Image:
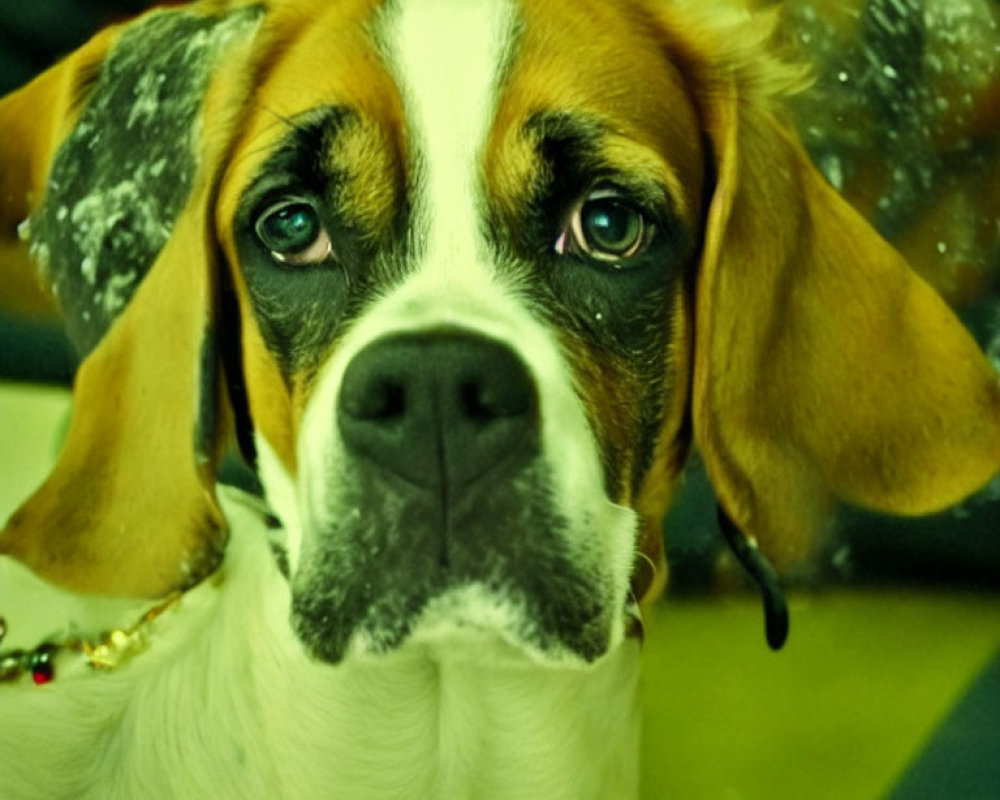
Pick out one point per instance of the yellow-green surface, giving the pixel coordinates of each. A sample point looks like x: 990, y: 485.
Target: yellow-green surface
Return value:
x: 864, y: 679
x: 838, y: 714
x: 31, y: 420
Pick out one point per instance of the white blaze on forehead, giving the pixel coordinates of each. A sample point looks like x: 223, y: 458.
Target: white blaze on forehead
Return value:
x: 447, y: 56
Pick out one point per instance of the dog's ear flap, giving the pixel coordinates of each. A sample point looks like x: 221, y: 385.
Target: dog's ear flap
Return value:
x: 824, y: 366
x: 129, y: 508
x: 121, y: 215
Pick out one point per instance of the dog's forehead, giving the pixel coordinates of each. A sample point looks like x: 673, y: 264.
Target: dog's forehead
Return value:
x: 604, y: 63
x: 320, y: 55
x: 458, y: 77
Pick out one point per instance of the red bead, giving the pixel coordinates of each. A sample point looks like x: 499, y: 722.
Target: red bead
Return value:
x: 42, y: 676
x: 42, y: 669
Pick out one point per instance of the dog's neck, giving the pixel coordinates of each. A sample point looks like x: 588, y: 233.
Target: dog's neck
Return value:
x: 225, y: 703
x: 452, y: 727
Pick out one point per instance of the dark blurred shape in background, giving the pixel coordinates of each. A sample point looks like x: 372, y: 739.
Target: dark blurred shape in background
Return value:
x: 34, y: 35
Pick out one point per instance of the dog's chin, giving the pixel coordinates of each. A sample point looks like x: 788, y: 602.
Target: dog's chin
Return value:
x: 460, y: 623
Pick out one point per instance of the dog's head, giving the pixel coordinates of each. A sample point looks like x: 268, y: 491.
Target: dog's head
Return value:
x: 466, y: 279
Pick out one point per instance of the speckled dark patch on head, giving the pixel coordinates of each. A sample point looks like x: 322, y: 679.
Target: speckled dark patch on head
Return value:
x: 121, y: 178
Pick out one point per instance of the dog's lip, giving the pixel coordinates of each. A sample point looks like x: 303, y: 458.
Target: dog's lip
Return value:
x: 441, y: 622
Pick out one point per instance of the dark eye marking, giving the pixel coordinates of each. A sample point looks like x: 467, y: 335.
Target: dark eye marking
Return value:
x: 304, y: 258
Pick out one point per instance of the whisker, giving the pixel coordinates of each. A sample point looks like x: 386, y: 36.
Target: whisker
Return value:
x: 647, y: 559
x: 249, y: 153
x: 279, y: 118
x: 289, y: 121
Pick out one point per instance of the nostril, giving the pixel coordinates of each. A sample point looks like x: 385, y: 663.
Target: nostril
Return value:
x: 475, y: 404
x: 374, y: 399
x: 491, y: 397
x: 390, y: 402
x: 471, y: 403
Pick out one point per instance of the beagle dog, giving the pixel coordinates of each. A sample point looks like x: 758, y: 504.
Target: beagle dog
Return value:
x: 464, y: 280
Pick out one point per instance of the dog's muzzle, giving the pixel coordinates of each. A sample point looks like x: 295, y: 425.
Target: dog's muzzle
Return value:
x: 437, y: 511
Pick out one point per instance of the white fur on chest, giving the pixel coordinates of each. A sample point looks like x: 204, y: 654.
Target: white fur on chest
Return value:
x: 226, y: 705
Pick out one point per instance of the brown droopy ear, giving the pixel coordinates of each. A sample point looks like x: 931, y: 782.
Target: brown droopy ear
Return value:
x: 119, y: 181
x: 824, y: 366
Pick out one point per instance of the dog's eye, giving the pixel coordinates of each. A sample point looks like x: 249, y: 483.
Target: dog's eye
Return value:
x: 607, y: 227
x: 292, y: 231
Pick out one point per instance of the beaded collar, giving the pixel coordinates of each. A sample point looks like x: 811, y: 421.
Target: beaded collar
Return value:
x: 104, y: 652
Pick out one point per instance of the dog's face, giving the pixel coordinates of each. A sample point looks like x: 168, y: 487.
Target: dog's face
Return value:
x: 474, y: 275
x: 462, y: 267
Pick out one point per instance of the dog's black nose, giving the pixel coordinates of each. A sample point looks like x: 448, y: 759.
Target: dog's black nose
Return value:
x: 438, y: 409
